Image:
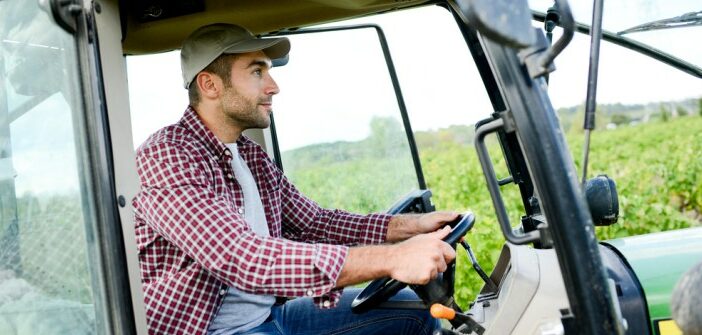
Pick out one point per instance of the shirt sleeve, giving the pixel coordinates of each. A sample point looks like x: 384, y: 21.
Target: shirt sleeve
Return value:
x: 179, y: 202
x: 304, y: 220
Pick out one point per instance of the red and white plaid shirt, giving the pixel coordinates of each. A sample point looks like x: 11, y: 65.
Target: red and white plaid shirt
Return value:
x: 193, y: 241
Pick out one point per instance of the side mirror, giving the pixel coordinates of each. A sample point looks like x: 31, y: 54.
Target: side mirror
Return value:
x: 506, y: 22
x: 602, y: 198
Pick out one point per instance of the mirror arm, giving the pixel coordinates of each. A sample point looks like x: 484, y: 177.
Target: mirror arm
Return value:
x: 568, y: 24
x: 538, y: 58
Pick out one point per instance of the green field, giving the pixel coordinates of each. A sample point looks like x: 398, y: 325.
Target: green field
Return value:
x: 657, y: 167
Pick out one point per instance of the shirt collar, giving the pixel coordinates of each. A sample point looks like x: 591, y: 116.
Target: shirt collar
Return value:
x: 192, y: 121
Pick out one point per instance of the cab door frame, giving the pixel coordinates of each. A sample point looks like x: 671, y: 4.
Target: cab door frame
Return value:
x: 109, y: 141
x: 395, y: 83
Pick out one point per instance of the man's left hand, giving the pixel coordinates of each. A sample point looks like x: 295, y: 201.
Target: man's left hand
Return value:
x: 404, y: 226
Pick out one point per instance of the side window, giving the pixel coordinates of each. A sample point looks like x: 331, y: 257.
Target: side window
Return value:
x: 336, y: 88
x: 47, y: 257
x: 338, y: 123
x: 647, y: 136
x: 337, y: 119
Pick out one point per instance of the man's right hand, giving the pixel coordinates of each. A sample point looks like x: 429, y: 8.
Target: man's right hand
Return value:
x: 414, y: 261
x: 421, y: 258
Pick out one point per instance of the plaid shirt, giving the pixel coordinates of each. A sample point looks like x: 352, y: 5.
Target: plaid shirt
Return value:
x: 193, y: 241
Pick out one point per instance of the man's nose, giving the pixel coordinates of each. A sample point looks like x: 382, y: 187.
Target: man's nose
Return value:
x: 271, y: 86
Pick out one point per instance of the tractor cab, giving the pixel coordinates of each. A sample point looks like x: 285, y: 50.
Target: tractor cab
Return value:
x: 385, y: 106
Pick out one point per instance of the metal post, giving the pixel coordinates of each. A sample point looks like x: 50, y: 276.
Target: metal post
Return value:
x: 591, y: 100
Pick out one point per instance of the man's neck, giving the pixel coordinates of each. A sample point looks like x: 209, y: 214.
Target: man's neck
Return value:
x: 218, y: 124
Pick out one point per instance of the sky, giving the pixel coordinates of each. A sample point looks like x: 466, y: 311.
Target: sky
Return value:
x: 342, y: 76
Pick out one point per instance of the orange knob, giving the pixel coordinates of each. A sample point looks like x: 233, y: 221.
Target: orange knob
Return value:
x: 440, y: 311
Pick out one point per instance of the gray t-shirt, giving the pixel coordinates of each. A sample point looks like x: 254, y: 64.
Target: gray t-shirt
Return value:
x: 241, y: 311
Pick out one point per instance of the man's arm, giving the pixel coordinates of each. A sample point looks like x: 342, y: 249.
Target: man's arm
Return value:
x: 414, y: 261
x: 404, y: 226
x: 179, y: 203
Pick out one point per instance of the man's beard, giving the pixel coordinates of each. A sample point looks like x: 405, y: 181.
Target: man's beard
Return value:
x: 243, y: 111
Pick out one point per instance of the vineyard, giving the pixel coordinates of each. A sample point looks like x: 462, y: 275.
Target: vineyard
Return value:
x: 657, y: 167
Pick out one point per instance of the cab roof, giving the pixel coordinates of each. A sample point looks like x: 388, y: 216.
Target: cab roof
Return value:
x: 154, y: 26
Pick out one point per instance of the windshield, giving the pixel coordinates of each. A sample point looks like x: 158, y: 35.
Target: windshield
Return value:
x: 620, y: 16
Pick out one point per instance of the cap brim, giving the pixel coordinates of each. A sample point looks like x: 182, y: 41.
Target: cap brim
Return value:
x: 273, y: 47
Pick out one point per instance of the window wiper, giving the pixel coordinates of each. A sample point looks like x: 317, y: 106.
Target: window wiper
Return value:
x: 685, y: 20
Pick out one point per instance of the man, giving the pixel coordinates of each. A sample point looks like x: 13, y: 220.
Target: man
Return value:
x: 221, y: 232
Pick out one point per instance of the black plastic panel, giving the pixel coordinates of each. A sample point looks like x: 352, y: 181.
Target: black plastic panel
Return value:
x: 154, y: 10
x: 629, y: 291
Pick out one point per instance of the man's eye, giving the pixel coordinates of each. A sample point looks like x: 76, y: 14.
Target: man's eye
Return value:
x: 258, y: 72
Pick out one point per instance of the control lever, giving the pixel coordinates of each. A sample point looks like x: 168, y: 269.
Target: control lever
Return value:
x: 490, y: 284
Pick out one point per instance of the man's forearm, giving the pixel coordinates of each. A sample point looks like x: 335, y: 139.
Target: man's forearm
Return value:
x: 414, y: 261
x: 402, y: 227
x: 363, y: 264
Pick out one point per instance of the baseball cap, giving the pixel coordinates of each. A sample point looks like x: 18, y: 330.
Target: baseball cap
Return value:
x: 207, y: 43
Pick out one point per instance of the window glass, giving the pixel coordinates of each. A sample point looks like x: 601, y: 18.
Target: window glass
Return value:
x: 442, y: 89
x: 444, y: 95
x: 342, y: 144
x: 647, y: 135
x: 46, y: 285
x: 333, y: 88
x: 646, y: 21
x: 624, y: 76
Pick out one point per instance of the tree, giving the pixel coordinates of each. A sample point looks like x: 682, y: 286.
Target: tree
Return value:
x: 387, y: 137
x: 700, y: 105
x: 665, y: 114
x: 681, y: 111
x: 620, y: 119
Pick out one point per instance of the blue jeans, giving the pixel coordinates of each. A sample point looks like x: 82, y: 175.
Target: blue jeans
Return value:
x: 301, y: 316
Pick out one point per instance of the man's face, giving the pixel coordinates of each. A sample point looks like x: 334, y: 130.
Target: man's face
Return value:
x: 247, y: 99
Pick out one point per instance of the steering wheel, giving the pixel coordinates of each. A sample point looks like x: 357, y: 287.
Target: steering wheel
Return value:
x: 382, y: 289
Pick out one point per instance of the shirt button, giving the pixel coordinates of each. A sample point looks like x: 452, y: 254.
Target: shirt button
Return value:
x: 227, y: 152
x: 326, y: 303
x: 229, y: 175
x: 240, y: 210
x: 310, y: 293
x: 223, y: 291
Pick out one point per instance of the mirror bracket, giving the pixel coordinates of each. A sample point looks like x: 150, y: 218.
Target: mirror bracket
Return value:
x: 532, y: 56
x: 507, y: 22
x: 65, y: 13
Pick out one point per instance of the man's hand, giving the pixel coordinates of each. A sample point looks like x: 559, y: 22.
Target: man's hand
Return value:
x: 421, y: 258
x: 414, y: 261
x: 404, y: 226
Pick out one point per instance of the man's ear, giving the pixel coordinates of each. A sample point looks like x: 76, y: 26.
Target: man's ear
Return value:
x: 209, y: 84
